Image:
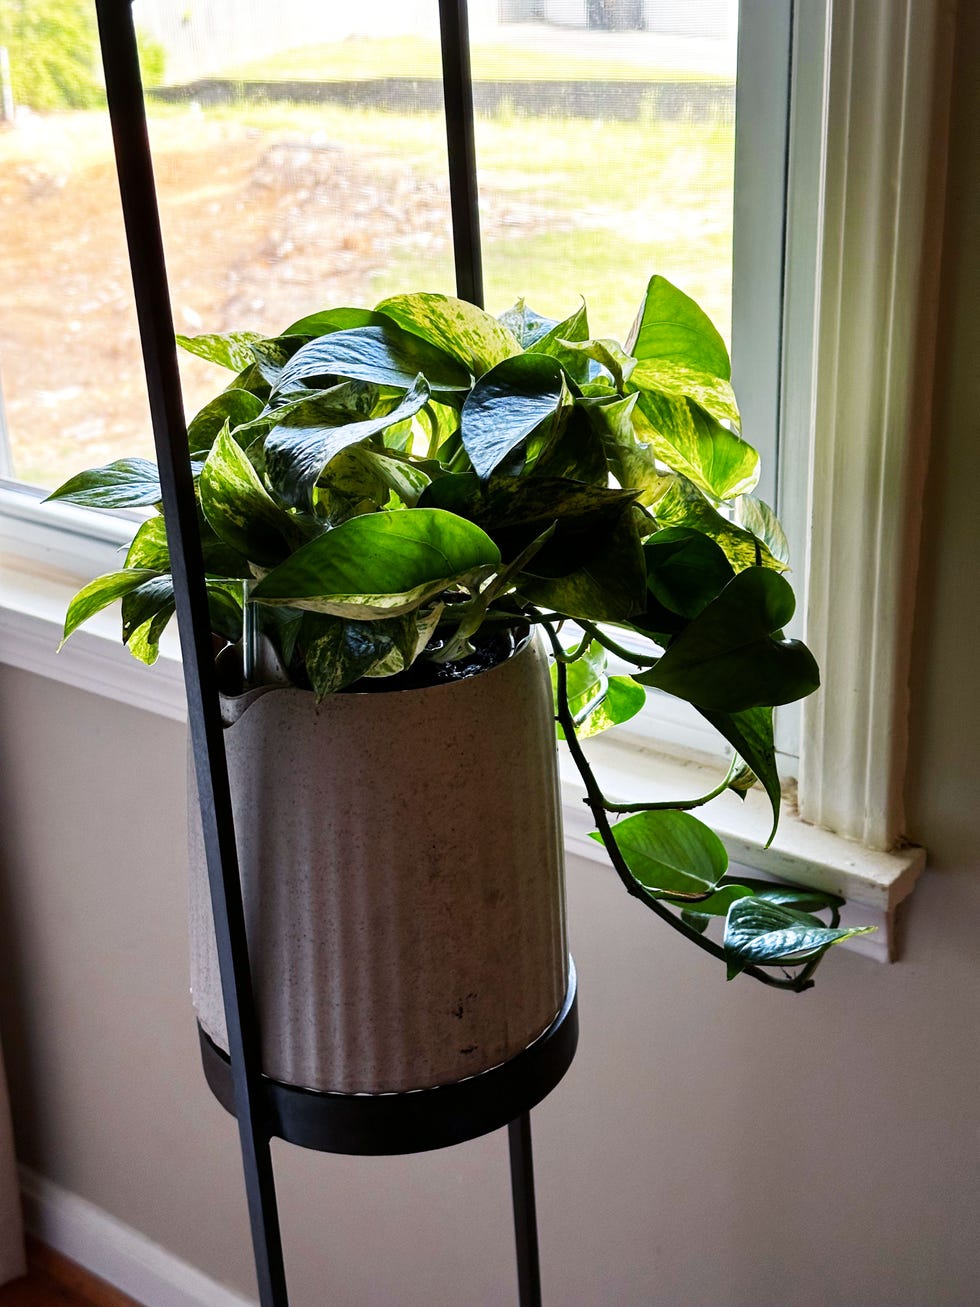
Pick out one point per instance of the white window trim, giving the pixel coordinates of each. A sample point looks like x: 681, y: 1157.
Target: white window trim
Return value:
x: 861, y: 277
x: 876, y: 308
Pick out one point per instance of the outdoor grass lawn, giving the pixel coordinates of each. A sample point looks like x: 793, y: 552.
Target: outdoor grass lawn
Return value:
x: 259, y: 233
x: 601, y: 205
x: 412, y: 56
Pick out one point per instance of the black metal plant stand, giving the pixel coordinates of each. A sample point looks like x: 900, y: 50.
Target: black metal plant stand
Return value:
x: 264, y: 1108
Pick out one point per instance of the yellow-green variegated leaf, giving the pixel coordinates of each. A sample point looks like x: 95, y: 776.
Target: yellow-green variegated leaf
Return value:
x: 684, y: 437
x: 380, y: 564
x: 555, y: 342
x: 608, y: 354
x: 238, y: 507
x: 101, y: 592
x: 235, y: 406
x: 386, y: 355
x: 713, y: 394
x: 597, y: 701
x: 756, y: 516
x: 759, y: 932
x: 229, y: 350
x: 466, y: 332
x: 339, y: 650
x: 684, y: 505
x: 672, y: 327
x: 633, y: 463
x: 305, y: 440
x: 126, y: 483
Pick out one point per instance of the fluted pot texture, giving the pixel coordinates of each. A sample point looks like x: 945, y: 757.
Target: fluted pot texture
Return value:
x: 401, y: 863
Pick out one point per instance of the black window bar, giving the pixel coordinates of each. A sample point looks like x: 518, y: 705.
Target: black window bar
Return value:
x: 527, y: 1079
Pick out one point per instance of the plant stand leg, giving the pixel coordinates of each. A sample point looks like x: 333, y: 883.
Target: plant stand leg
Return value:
x: 525, y: 1215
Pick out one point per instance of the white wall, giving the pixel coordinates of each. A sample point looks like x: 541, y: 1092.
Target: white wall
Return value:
x: 714, y: 1145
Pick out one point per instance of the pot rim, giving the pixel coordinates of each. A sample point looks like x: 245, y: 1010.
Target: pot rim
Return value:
x: 228, y: 661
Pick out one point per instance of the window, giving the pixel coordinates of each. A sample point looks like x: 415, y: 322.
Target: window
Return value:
x: 844, y: 336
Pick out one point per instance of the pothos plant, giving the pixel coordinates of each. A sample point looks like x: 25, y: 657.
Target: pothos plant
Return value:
x: 384, y: 490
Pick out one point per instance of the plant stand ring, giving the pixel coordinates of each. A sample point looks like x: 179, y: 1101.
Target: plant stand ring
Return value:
x: 420, y: 1119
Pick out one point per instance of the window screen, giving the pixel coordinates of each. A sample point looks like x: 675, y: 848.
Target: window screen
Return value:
x: 302, y: 163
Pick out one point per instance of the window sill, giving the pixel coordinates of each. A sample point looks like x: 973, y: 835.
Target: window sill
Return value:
x: 32, y: 604
x: 874, y: 883
x: 33, y: 599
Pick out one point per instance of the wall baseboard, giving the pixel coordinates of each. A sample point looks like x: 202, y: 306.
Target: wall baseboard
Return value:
x: 115, y: 1252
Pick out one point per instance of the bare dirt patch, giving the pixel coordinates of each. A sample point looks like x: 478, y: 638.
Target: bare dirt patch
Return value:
x: 259, y: 229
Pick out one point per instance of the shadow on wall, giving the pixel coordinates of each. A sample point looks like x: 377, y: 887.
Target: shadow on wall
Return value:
x: 22, y: 1071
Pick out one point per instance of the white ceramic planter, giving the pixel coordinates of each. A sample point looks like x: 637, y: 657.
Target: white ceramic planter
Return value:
x: 401, y: 862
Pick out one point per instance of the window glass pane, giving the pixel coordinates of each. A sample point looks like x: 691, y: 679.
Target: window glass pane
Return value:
x: 287, y: 182
x: 606, y: 154
x: 302, y: 163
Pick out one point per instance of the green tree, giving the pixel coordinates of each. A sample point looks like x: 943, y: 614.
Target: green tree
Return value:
x: 53, y: 49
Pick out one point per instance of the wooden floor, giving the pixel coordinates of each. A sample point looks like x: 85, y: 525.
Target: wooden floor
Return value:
x: 53, y: 1281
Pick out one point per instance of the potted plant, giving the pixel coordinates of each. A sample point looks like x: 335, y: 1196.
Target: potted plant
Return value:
x: 405, y: 513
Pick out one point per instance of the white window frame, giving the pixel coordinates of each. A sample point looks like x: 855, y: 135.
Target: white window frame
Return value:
x: 862, y: 244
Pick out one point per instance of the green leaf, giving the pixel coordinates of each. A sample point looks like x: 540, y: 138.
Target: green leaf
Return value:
x: 685, y: 569
x: 609, y: 587
x: 312, y: 433
x: 718, y: 903
x: 234, y: 406
x: 554, y: 342
x: 380, y: 564
x: 273, y: 354
x: 762, y: 933
x: 225, y: 609
x: 633, y: 463
x: 127, y: 483
x: 385, y: 354
x: 239, y: 509
x: 756, y: 516
x: 672, y: 327
x: 147, y: 601
x: 356, y: 399
x: 469, y: 334
x: 671, y: 854
x: 252, y: 380
x: 401, y: 477
x: 801, y: 897
x: 683, y: 505
x: 101, y: 592
x: 230, y: 350
x: 751, y: 736
x: 149, y: 548
x: 144, y: 643
x: 683, y: 436
x: 711, y: 393
x: 323, y: 323
x: 598, y: 701
x: 733, y: 655
x: 506, y: 405
x: 577, y: 452
x: 515, y: 510
x: 608, y: 354
x: 525, y: 325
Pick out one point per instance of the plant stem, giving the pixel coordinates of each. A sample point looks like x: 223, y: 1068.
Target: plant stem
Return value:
x: 250, y: 636
x: 668, y: 805
x: 640, y: 660
x: 573, y: 655
x: 598, y: 806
